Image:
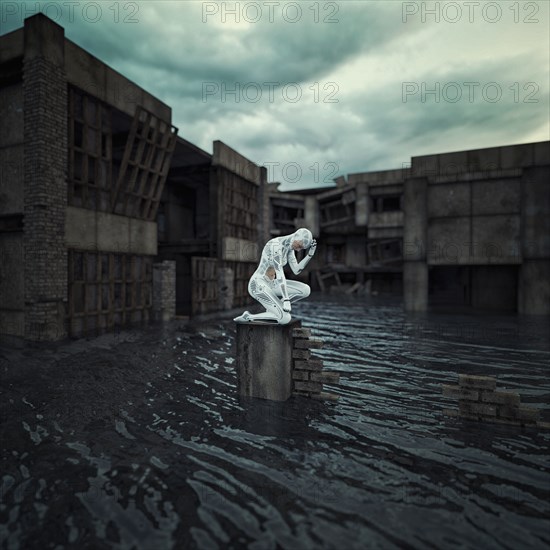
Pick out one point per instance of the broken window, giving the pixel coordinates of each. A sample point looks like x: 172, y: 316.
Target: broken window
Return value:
x: 286, y: 218
x: 336, y: 253
x: 386, y: 203
x: 90, y: 152
x: 385, y: 252
x: 339, y: 210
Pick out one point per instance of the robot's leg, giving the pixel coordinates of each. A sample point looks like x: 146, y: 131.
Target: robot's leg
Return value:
x: 297, y: 290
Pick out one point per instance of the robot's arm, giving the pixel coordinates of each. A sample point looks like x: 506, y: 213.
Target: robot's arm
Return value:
x: 296, y: 267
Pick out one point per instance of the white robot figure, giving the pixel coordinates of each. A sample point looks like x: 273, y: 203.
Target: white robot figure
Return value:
x: 268, y: 284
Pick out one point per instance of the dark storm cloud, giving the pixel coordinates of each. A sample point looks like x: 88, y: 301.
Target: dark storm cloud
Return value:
x: 262, y: 52
x: 363, y: 60
x: 389, y: 120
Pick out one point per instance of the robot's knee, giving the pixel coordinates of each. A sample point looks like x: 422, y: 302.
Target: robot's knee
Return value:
x: 307, y: 291
x: 285, y: 319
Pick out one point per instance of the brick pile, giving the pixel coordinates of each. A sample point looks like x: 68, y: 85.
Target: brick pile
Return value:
x: 307, y: 371
x: 478, y: 399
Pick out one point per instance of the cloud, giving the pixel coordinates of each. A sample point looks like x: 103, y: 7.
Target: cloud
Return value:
x: 350, y: 73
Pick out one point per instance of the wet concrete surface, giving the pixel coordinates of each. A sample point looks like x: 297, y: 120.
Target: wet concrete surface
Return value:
x: 139, y: 439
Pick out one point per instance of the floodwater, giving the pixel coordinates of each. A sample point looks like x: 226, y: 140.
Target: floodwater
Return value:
x: 139, y: 440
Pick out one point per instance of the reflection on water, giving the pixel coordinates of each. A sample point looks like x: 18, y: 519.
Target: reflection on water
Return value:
x: 139, y: 440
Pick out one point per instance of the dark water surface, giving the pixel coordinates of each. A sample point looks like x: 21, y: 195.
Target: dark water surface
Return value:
x: 139, y: 440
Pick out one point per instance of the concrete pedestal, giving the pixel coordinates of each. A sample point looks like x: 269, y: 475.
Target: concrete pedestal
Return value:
x: 264, y: 360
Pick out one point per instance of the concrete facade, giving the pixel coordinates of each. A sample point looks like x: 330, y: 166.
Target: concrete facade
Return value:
x: 212, y: 223
x: 464, y: 229
x: 479, y: 223
x: 96, y: 186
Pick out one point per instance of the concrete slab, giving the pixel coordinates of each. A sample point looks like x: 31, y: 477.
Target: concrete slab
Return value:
x: 264, y: 360
x: 496, y: 239
x: 500, y: 196
x: 449, y: 241
x: 449, y: 200
x: 517, y: 155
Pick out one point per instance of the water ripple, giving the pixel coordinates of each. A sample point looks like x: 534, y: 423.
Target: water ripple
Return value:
x: 143, y: 442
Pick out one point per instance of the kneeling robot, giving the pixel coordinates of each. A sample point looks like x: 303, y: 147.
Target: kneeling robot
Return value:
x: 269, y: 285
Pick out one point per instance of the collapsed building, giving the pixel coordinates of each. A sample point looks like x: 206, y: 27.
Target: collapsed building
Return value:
x: 468, y: 229
x: 360, y: 228
x: 104, y: 209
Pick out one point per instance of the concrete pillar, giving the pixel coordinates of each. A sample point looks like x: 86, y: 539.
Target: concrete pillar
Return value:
x: 45, y: 179
x: 226, y: 278
x: 362, y: 204
x: 164, y: 291
x: 415, y: 286
x: 264, y: 360
x: 534, y: 273
x: 415, y: 267
x: 311, y: 214
x: 534, y: 287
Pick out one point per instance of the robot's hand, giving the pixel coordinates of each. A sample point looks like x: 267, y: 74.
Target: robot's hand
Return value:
x: 286, y: 306
x: 313, y: 247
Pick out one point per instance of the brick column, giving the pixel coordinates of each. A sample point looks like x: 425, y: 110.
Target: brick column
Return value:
x: 45, y: 179
x: 164, y: 290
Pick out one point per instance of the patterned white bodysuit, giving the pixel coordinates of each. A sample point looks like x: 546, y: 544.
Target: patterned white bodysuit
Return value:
x: 269, y: 285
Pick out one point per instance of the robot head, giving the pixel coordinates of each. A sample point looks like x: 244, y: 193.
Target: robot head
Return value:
x: 303, y: 236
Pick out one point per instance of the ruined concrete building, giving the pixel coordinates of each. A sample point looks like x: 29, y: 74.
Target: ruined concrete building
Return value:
x: 109, y: 218
x: 103, y: 206
x: 454, y: 230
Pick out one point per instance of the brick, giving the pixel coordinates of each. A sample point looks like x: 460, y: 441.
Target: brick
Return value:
x: 310, y: 364
x: 469, y: 407
x: 451, y: 412
x: 308, y: 386
x: 480, y: 382
x: 543, y: 425
x: 459, y: 392
x: 301, y: 354
x: 299, y: 393
x: 300, y: 375
x: 316, y: 343
x: 301, y: 333
x: 474, y: 417
x: 301, y: 343
x: 500, y: 397
x: 326, y: 396
x: 524, y: 414
x: 325, y: 376
x: 308, y: 343
x: 497, y: 420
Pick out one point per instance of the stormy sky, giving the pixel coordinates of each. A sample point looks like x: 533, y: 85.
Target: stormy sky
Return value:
x: 314, y: 90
